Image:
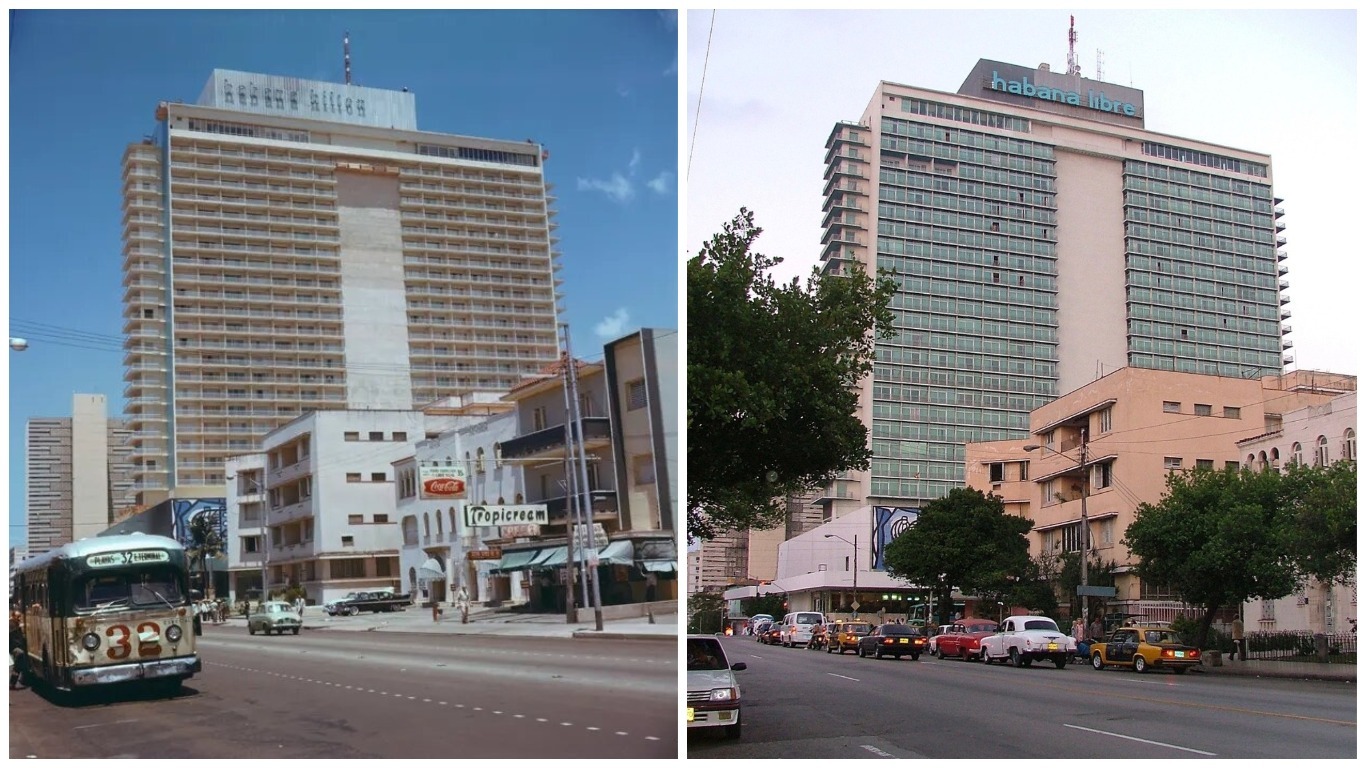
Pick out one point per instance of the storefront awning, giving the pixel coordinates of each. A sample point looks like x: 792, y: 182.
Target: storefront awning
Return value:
x: 660, y: 566
x: 515, y: 561
x: 617, y: 553
x: 551, y: 558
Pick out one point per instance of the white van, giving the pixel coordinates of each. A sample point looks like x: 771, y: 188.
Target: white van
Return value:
x: 797, y: 627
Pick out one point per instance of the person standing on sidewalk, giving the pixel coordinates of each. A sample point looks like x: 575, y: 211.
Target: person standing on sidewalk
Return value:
x: 1239, y: 644
x: 462, y: 601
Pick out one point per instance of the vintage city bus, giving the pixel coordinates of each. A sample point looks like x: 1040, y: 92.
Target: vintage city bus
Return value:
x: 107, y: 609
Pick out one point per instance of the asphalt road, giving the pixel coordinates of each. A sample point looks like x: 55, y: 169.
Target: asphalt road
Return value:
x: 378, y: 695
x: 800, y: 703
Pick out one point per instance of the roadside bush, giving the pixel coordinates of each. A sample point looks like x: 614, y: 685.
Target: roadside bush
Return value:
x: 1189, y: 629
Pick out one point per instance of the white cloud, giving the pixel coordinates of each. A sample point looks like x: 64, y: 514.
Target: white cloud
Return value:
x: 618, y: 188
x: 661, y: 184
x: 635, y: 161
x: 613, y: 326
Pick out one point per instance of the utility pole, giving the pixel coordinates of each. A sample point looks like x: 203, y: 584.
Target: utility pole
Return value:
x: 587, y: 505
x: 571, y: 515
x: 1085, y: 527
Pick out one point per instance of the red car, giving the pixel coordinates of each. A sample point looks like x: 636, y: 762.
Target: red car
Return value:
x: 963, y: 640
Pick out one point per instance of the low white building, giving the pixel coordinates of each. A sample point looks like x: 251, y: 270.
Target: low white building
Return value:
x: 316, y: 506
x: 436, y: 531
x: 1318, y: 435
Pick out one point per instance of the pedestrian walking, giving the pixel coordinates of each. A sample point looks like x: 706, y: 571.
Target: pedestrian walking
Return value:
x: 462, y: 601
x: 1097, y: 630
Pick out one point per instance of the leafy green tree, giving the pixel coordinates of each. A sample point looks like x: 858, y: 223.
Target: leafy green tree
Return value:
x: 706, y: 611
x: 1216, y: 539
x: 773, y: 605
x: 772, y: 377
x: 1322, y: 533
x: 964, y: 540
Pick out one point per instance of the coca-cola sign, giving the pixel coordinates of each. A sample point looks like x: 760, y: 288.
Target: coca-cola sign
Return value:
x: 442, y: 482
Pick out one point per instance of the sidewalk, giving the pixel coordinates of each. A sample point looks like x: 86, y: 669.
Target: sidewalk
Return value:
x: 1297, y: 670
x: 486, y: 621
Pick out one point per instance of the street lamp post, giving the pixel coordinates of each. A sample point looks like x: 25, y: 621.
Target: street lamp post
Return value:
x: 1085, y: 523
x: 854, y: 544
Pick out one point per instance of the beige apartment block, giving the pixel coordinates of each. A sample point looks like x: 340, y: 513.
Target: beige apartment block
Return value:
x: 1137, y: 426
x: 293, y: 246
x: 79, y: 474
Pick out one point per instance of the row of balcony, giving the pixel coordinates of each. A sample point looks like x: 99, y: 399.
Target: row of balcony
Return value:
x: 256, y: 202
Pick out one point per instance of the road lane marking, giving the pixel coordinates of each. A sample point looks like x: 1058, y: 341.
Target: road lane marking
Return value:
x: 98, y: 725
x: 876, y: 751
x: 1145, y: 741
x: 846, y: 677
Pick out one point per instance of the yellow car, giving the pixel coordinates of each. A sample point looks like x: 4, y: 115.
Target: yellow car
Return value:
x: 845, y: 634
x: 1144, y: 648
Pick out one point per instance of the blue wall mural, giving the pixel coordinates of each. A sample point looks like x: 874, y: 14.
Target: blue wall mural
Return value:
x: 186, y: 510
x: 888, y: 523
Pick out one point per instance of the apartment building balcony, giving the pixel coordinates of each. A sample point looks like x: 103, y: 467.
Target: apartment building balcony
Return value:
x: 298, y: 469
x: 604, y: 503
x: 848, y: 167
x: 549, y: 442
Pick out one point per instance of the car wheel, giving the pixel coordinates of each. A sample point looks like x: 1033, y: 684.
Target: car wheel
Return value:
x: 914, y: 657
x: 1015, y: 659
x: 296, y: 630
x: 859, y: 650
x: 251, y: 628
x: 732, y: 731
x: 1140, y: 664
x: 829, y: 649
x: 1060, y: 662
x: 877, y: 653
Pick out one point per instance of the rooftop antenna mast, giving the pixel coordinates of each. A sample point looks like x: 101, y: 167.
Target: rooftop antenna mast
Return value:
x: 1100, y: 64
x: 346, y: 55
x: 1073, y: 68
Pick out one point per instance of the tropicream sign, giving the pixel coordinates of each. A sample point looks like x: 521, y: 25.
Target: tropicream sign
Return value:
x: 1096, y: 100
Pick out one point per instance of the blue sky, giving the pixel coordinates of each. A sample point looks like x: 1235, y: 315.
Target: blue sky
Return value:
x: 598, y: 88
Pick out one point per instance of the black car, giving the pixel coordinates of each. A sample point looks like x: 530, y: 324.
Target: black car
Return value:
x: 761, y: 627
x: 893, y: 640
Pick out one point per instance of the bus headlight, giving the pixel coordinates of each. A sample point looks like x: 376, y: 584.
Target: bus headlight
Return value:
x: 173, y: 633
x: 91, y: 641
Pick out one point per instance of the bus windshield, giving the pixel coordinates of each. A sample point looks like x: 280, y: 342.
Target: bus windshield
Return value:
x: 157, y: 586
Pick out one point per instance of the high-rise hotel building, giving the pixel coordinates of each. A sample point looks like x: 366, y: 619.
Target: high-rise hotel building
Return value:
x: 292, y: 245
x: 1040, y: 237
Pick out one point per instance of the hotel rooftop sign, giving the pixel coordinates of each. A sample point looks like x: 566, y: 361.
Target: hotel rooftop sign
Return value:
x: 1055, y: 92
x: 309, y: 99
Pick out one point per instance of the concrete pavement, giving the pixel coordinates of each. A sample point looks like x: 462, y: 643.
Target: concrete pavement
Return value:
x: 486, y: 621
x: 1297, y: 670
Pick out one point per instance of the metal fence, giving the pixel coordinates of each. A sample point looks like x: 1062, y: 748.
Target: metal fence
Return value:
x: 1337, y: 648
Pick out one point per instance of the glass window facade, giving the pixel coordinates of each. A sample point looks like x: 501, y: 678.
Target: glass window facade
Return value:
x: 967, y: 228
x: 1201, y: 273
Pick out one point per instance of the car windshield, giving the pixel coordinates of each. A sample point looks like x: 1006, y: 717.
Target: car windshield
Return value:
x: 278, y: 608
x: 858, y: 629
x: 705, y: 654
x: 1041, y: 624
x: 899, y: 629
x: 979, y: 628
x: 1164, y: 636
x: 808, y: 618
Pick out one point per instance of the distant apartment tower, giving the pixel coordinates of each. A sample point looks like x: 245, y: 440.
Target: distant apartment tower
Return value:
x: 1040, y: 237
x: 294, y: 246
x: 78, y: 472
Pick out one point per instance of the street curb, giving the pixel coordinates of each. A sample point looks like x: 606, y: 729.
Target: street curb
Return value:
x: 594, y: 634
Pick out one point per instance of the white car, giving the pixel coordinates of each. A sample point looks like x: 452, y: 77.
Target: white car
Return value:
x: 713, y: 692
x: 1022, y: 640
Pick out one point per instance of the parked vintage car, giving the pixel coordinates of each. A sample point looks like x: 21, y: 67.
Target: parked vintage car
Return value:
x: 935, y: 632
x: 1144, y: 648
x: 376, y: 602
x: 1023, y: 640
x: 275, y: 616
x: 713, y: 692
x: 964, y: 639
x: 844, y: 635
x: 760, y: 627
x: 894, y: 640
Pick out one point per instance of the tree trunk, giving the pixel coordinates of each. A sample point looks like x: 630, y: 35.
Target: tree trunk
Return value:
x: 1205, y: 622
